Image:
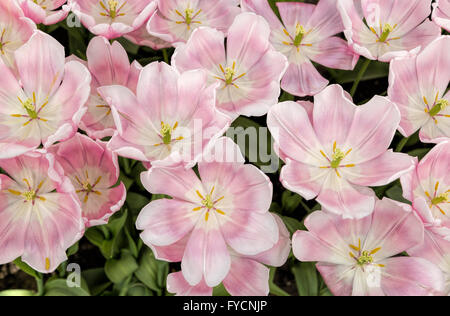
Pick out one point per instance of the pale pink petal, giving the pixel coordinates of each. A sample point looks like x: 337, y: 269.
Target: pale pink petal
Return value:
x: 338, y: 277
x: 262, y: 7
x: 441, y: 14
x: 303, y: 79
x: 247, y: 277
x: 335, y: 53
x: 177, y: 284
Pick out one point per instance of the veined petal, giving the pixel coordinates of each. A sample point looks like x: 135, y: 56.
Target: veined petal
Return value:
x: 247, y: 277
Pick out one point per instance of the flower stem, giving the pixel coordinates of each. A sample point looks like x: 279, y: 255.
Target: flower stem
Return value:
x: 361, y: 73
x: 401, y: 144
x: 166, y: 55
x: 40, y: 285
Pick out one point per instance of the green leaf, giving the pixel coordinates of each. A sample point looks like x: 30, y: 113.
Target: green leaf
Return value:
x: 152, y: 272
x: 396, y: 193
x: 118, y: 270
x: 419, y: 153
x: 138, y: 289
x: 27, y: 269
x: 16, y: 293
x: 306, y: 279
x: 136, y: 202
x: 273, y: 288
x: 376, y: 70
x: 220, y: 290
x: 96, y: 280
x: 129, y: 46
x: 290, y: 201
x: 72, y: 250
x: 293, y: 224
x: 95, y: 236
x: 59, y: 287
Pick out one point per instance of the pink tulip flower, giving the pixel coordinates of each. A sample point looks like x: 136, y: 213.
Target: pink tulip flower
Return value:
x: 141, y: 37
x: 112, y: 18
x: 355, y: 257
x: 436, y: 250
x: 338, y: 150
x: 248, y: 275
x: 428, y: 187
x: 40, y: 217
x: 15, y: 30
x: 45, y: 104
x: 47, y: 12
x: 441, y: 14
x: 224, y: 210
x: 175, y: 20
x: 306, y: 35
x: 249, y: 71
x: 385, y: 29
x: 94, y: 171
x: 109, y: 65
x: 418, y: 87
x: 172, y: 117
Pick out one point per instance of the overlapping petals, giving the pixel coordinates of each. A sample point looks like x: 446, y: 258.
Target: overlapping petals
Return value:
x: 339, y: 150
x: 175, y: 20
x: 109, y: 65
x: 40, y: 216
x: 355, y: 256
x: 306, y: 35
x: 171, y: 117
x: 227, y: 210
x: 249, y: 71
x: 418, y: 86
x: 15, y: 30
x: 248, y: 275
x: 385, y: 29
x: 441, y: 14
x: 47, y: 12
x: 93, y: 171
x: 428, y: 187
x: 112, y: 18
x: 47, y: 104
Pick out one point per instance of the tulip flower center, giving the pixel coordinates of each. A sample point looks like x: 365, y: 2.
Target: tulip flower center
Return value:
x: 336, y: 159
x: 229, y: 75
x: 386, y: 31
x: 166, y: 133
x: 438, y: 199
x: 30, y: 108
x: 188, y: 17
x: 300, y: 33
x: 363, y: 257
x: 208, y: 203
x: 113, y: 9
x: 41, y: 4
x: 3, y: 43
x: 438, y: 107
x: 30, y: 195
x: 86, y: 187
x: 443, y: 198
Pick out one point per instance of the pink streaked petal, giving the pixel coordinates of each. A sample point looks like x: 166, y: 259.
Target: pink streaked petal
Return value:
x: 303, y: 80
x: 325, y: 20
x: 338, y: 277
x: 404, y: 276
x: 421, y: 36
x: 171, y: 253
x: 278, y: 254
x: 409, y: 182
x: 247, y: 277
x: 333, y: 115
x: 206, y: 255
x: 367, y: 137
x: 295, y: 12
x: 165, y: 221
x: 380, y: 171
x: 249, y: 233
x: 262, y: 7
x: 42, y: 71
x: 341, y: 197
x: 294, y: 135
x: 303, y: 179
x: 395, y: 228
x: 434, y: 248
x: 248, y: 40
x: 335, y: 53
x: 177, y: 284
x: 441, y: 14
x: 177, y: 182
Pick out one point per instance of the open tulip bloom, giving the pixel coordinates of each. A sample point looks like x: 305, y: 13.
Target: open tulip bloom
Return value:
x: 306, y: 35
x: 93, y: 171
x: 355, y: 257
x: 112, y: 18
x: 40, y: 216
x: 109, y: 65
x: 428, y: 188
x: 436, y: 250
x: 225, y: 209
x: 47, y: 12
x: 171, y: 117
x: 248, y: 275
x: 338, y: 150
x: 418, y: 86
x: 441, y: 14
x: 47, y: 104
x: 15, y: 30
x: 249, y: 71
x: 175, y: 20
x: 385, y: 29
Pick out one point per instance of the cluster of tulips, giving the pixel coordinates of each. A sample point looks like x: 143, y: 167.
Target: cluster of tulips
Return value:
x: 64, y: 121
